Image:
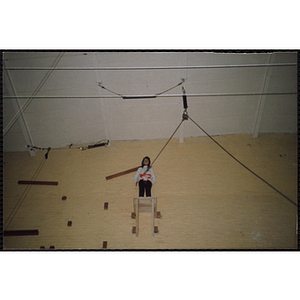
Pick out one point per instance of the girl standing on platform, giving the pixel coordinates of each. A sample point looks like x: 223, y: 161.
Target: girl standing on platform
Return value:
x: 145, y: 178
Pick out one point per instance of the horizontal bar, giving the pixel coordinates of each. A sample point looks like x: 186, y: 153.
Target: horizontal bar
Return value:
x: 97, y: 145
x: 20, y: 232
x: 164, y: 95
x: 137, y: 97
x: 121, y: 173
x: 38, y: 182
x: 146, y: 68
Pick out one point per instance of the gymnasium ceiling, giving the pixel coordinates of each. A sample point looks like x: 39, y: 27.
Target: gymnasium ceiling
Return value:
x: 54, y: 99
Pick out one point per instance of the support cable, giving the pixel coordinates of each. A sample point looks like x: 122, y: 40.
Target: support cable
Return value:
x: 140, y: 96
x: 99, y: 84
x: 242, y: 163
x: 136, y: 168
x: 167, y: 143
x: 182, y: 81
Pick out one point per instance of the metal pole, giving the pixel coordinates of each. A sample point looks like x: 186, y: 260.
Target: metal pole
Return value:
x: 146, y: 68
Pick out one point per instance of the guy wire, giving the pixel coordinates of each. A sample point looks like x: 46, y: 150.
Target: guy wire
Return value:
x: 242, y: 163
x: 170, y: 88
x: 109, y: 90
x: 167, y: 142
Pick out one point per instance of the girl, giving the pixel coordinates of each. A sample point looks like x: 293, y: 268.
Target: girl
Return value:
x: 145, y: 177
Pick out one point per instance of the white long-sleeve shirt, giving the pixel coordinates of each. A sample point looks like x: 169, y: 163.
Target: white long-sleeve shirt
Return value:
x: 149, y: 175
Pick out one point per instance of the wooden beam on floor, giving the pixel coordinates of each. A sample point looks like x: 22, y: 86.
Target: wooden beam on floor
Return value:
x: 38, y: 182
x: 20, y: 232
x: 122, y: 173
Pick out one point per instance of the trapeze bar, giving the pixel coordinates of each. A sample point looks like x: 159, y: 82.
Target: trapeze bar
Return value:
x: 146, y: 68
x: 137, y: 97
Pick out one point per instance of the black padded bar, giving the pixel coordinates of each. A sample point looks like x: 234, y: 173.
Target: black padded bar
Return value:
x: 185, y: 106
x: 138, y: 97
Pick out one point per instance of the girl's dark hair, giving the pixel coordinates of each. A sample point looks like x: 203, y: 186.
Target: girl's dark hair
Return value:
x: 148, y: 159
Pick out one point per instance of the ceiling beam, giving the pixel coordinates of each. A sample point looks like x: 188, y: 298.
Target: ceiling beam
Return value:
x: 145, y: 68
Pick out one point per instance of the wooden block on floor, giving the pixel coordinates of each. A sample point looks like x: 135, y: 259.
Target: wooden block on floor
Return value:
x: 104, y: 246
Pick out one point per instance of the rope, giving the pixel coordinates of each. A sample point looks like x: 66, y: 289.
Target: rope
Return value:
x: 109, y: 90
x: 242, y: 163
x: 167, y: 142
x: 170, y: 88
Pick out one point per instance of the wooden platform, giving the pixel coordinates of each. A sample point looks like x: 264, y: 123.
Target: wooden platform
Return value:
x: 145, y: 205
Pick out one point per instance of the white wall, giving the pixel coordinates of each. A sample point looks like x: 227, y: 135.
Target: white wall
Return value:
x: 57, y: 122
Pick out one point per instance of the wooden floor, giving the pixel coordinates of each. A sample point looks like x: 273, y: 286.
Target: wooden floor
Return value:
x: 206, y: 199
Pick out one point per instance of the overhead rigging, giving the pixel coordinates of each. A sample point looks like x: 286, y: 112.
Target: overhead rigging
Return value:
x: 96, y: 145
x: 185, y: 116
x: 150, y: 96
x: 141, y: 96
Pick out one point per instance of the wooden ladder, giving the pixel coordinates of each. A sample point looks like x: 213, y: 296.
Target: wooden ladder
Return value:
x: 145, y: 204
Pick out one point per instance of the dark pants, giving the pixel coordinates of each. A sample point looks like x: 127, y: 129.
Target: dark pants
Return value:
x: 145, y: 186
